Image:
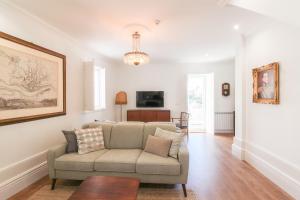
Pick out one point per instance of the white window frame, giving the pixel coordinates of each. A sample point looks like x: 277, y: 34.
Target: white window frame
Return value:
x: 99, y: 88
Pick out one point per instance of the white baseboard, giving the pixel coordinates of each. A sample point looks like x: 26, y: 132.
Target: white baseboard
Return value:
x: 237, y: 151
x: 21, y: 166
x: 279, y: 171
x: 237, y: 148
x: 229, y: 131
x: 282, y: 173
x: 17, y: 176
x: 21, y: 181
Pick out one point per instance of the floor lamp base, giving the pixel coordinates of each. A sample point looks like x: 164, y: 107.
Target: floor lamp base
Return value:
x: 121, y: 112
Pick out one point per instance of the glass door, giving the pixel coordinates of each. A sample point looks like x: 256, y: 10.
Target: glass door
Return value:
x: 201, y: 102
x: 196, y: 102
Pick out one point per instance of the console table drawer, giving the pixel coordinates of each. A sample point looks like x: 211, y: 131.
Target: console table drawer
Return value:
x: 149, y: 115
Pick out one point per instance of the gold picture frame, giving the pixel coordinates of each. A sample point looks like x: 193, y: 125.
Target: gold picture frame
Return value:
x: 32, y: 81
x: 266, y: 84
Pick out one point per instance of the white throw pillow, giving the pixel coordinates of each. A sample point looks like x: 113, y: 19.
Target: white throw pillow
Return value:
x: 175, y: 137
x: 89, y: 139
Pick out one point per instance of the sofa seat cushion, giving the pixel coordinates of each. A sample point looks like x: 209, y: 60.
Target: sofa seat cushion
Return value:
x: 118, y: 160
x: 149, y: 163
x: 77, y: 162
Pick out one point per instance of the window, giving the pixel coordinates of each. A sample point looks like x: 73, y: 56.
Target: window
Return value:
x: 94, y: 87
x: 99, y: 88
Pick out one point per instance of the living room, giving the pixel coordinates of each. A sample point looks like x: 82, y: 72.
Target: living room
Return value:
x: 247, y: 145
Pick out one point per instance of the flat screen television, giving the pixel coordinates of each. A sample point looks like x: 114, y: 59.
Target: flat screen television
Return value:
x: 149, y: 99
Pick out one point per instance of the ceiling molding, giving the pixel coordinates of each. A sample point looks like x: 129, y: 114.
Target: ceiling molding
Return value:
x: 223, y: 3
x: 286, y: 11
x: 184, y: 36
x: 68, y: 38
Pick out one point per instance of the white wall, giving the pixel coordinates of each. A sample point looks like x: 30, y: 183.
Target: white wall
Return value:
x: 240, y: 98
x: 23, y: 146
x: 272, y: 132
x: 286, y: 11
x: 172, y: 79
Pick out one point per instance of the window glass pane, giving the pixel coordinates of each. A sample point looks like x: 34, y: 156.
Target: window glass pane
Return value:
x: 96, y: 87
x: 102, y: 88
x: 99, y: 87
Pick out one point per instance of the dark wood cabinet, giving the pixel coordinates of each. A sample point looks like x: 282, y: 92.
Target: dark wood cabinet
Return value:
x: 149, y: 115
x: 133, y: 115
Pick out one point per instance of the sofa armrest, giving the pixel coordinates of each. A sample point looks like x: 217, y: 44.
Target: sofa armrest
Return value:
x: 183, y: 157
x: 54, y: 153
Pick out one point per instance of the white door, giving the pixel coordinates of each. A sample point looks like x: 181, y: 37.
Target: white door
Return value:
x: 200, y: 102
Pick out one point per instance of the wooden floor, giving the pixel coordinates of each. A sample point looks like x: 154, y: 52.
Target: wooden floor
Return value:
x: 214, y: 174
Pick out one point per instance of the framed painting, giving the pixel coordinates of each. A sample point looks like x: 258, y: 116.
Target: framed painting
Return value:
x: 32, y: 81
x: 266, y: 84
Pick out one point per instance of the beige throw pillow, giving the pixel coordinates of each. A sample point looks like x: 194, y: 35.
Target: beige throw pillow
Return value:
x: 175, y: 137
x: 89, y: 139
x: 158, y: 146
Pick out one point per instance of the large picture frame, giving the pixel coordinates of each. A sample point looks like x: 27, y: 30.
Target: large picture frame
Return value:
x: 32, y: 81
x: 266, y: 84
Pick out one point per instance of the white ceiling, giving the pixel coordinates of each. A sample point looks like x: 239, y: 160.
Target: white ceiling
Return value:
x: 190, y: 30
x: 286, y: 11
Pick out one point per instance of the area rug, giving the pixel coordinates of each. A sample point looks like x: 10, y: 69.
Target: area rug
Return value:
x: 63, y: 192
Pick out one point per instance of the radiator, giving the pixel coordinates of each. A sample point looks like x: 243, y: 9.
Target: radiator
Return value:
x: 224, y: 122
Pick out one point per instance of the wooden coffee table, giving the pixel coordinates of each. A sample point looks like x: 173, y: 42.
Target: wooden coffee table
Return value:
x: 107, y: 188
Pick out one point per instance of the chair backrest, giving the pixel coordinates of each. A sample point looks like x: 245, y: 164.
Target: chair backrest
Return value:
x: 184, y: 119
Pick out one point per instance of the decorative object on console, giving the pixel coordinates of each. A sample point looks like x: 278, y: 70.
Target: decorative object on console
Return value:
x: 121, y: 99
x: 136, y: 57
x: 225, y: 89
x: 32, y: 81
x: 266, y: 84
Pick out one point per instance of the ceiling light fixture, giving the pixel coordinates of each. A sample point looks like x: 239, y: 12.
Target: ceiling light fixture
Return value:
x: 236, y: 27
x: 136, y: 57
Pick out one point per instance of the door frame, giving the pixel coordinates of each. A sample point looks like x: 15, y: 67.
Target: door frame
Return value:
x: 209, y: 96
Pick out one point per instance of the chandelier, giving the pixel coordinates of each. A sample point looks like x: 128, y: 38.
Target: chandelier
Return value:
x: 136, y: 57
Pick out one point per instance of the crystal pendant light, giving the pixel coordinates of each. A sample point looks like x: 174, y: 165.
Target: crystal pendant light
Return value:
x: 136, y: 57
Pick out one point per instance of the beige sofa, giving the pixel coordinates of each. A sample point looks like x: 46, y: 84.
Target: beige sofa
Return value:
x: 123, y: 156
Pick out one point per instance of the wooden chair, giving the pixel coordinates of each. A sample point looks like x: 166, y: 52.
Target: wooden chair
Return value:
x: 182, y: 122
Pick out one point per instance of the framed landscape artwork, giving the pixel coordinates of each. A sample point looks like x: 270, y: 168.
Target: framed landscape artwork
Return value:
x: 266, y: 84
x: 32, y: 81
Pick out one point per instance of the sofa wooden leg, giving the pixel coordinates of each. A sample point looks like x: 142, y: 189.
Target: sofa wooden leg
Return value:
x: 53, y: 184
x: 184, y: 190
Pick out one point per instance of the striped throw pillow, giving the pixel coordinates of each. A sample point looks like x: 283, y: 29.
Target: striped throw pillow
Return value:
x: 89, y: 139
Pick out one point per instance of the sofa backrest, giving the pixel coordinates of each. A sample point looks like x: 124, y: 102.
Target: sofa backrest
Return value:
x: 106, y: 128
x: 126, y: 136
x: 150, y: 128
